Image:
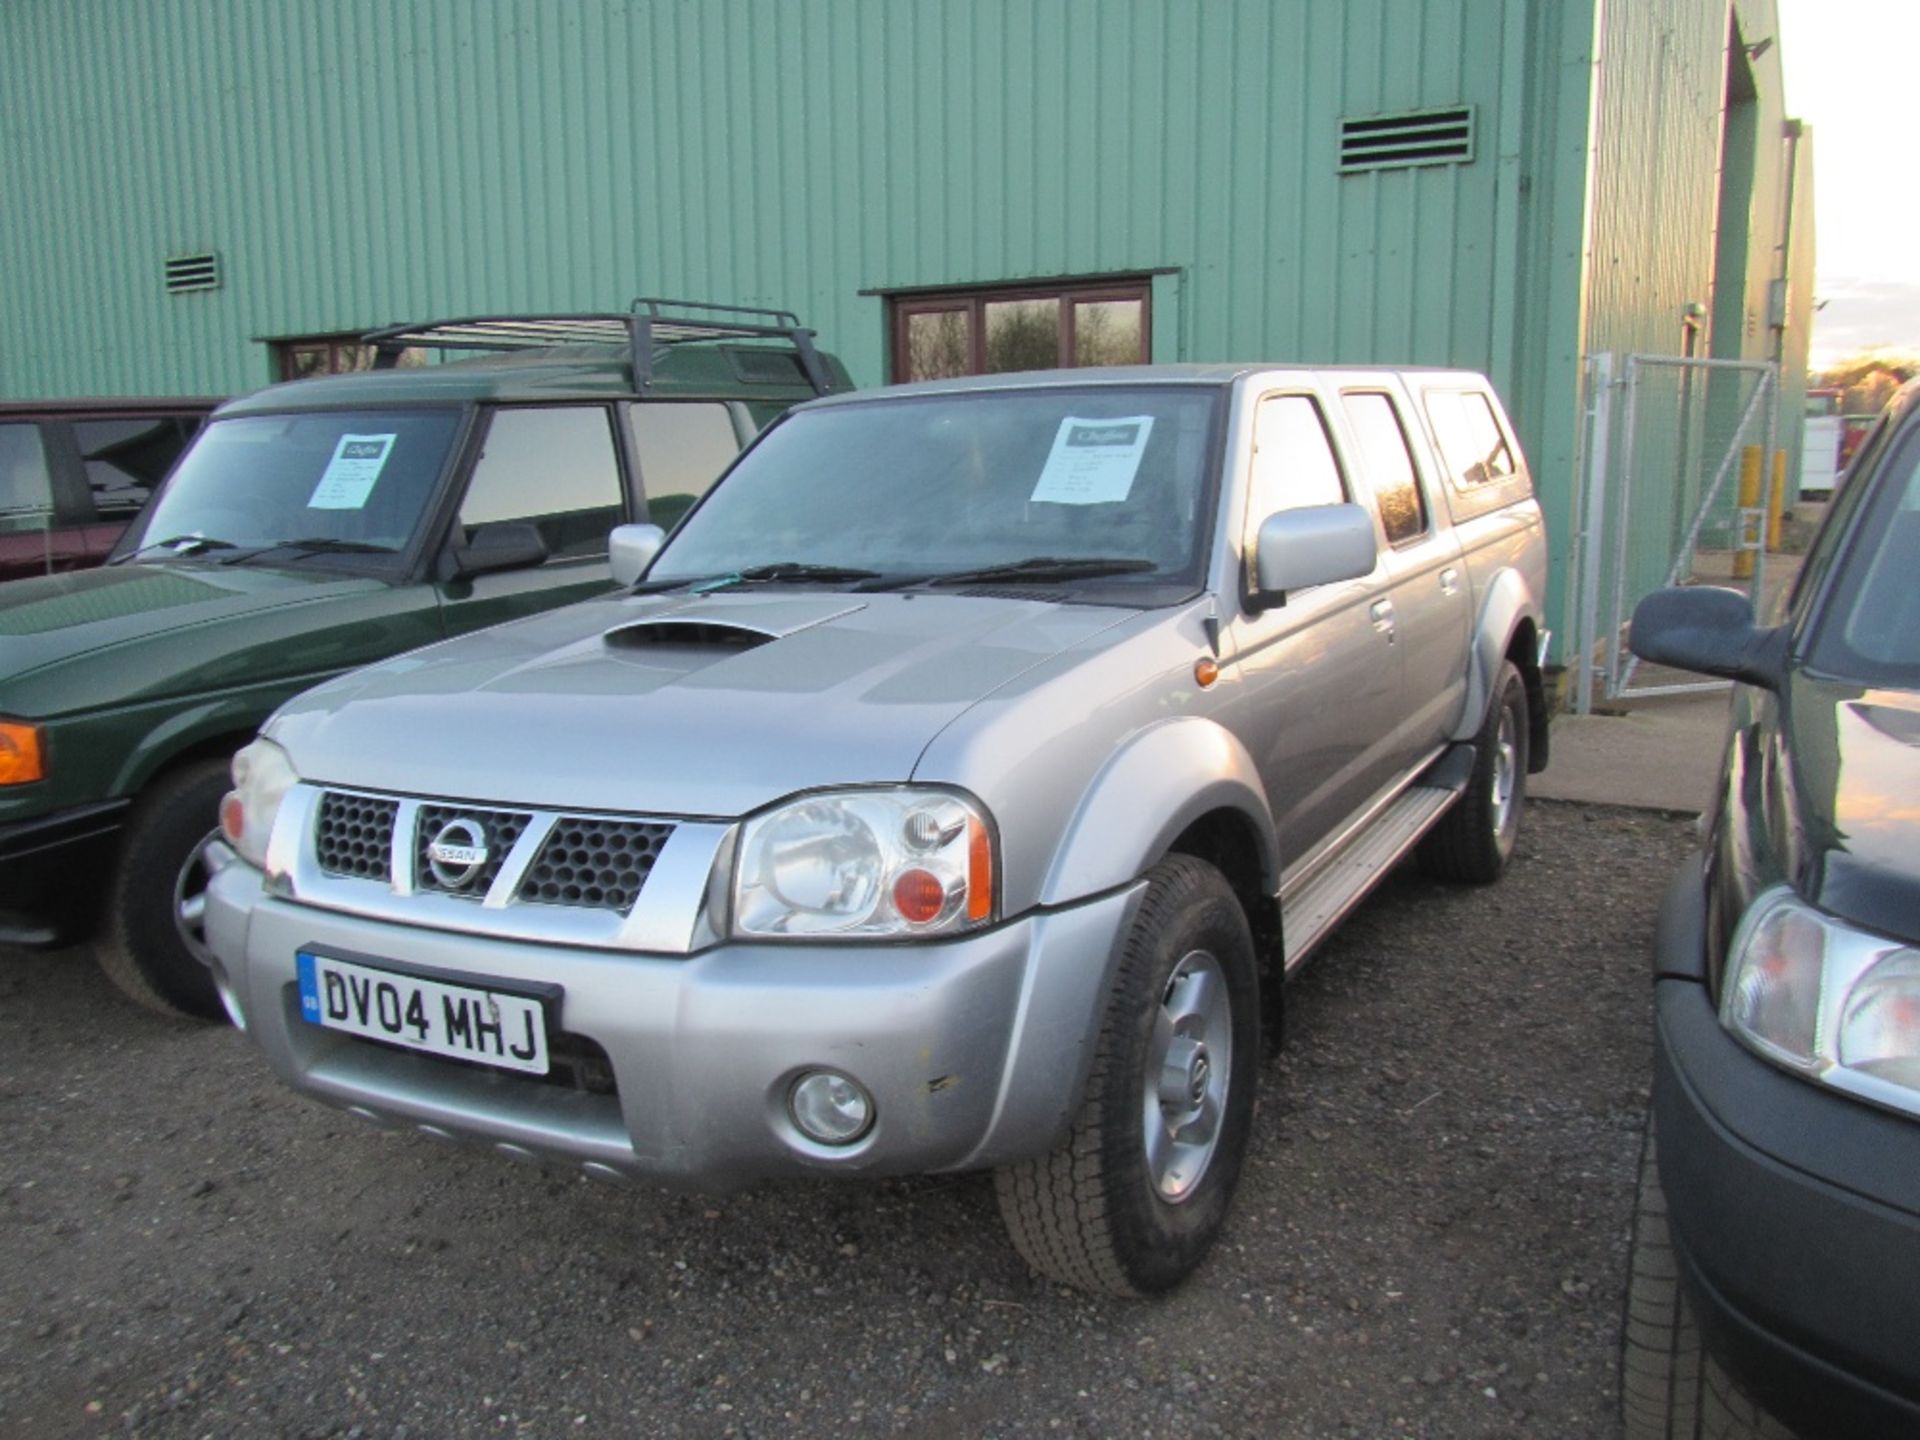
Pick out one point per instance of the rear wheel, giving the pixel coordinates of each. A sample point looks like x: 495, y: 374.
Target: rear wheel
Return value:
x: 1475, y: 839
x: 152, y: 936
x: 1670, y: 1388
x: 1132, y: 1201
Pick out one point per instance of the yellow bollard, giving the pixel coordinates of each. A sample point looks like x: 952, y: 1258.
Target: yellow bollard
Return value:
x: 1749, y: 501
x: 1777, y: 502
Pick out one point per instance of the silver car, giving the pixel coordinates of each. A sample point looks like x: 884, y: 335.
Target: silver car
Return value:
x: 954, y: 789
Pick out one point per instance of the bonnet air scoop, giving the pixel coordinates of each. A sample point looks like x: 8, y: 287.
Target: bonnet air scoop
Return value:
x: 728, y: 622
x: 687, y: 633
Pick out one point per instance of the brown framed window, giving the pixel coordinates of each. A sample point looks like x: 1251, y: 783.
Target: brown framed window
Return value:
x: 938, y: 334
x: 302, y: 356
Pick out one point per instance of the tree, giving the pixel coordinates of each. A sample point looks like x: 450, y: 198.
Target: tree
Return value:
x: 1866, y: 381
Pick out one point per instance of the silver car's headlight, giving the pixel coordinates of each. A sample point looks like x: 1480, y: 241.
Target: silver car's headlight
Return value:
x: 1821, y: 997
x: 262, y: 775
x: 866, y: 864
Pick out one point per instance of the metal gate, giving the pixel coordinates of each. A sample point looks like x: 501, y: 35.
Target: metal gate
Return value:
x: 1674, y: 481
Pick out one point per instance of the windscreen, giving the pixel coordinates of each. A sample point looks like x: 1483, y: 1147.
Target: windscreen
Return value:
x: 355, y: 479
x: 960, y: 482
x: 1869, y: 625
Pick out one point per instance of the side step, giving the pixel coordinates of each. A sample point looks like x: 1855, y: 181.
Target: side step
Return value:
x: 1307, y: 917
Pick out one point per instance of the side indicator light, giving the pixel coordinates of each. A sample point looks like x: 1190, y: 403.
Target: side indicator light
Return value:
x: 22, y: 761
x: 979, y: 872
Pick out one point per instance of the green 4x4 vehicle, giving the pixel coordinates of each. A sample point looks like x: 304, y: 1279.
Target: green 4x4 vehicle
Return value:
x: 321, y: 525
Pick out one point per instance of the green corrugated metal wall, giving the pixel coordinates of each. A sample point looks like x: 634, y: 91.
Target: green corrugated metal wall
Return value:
x: 362, y: 161
x: 358, y: 162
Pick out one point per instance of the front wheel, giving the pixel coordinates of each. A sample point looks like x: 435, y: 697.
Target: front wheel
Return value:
x: 152, y: 936
x: 1670, y: 1387
x: 1131, y: 1202
x: 1475, y: 839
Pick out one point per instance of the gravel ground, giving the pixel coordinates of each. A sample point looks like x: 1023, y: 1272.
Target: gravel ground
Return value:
x: 1429, y: 1239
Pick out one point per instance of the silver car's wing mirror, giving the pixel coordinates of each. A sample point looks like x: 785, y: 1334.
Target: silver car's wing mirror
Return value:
x: 1314, y: 546
x: 631, y: 548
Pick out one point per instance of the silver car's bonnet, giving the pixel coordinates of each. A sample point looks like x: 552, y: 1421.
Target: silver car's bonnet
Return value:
x: 675, y: 705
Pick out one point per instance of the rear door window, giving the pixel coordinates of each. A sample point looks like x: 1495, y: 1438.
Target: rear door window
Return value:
x: 555, y: 467
x: 126, y: 458
x: 682, y: 448
x: 26, y: 494
x: 1389, y: 463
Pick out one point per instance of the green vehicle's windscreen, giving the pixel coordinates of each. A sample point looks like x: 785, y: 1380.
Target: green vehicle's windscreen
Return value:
x: 965, y: 482
x: 338, y: 482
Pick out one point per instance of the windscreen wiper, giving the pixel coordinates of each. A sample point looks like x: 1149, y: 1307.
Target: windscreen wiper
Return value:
x: 1036, y: 569
x: 176, y: 543
x: 782, y: 570
x: 311, y: 545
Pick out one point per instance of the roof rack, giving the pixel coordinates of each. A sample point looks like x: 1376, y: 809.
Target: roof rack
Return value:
x: 647, y: 329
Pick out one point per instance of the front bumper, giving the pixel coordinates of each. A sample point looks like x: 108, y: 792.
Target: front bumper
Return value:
x: 51, y: 870
x: 975, y: 1050
x: 1793, y: 1211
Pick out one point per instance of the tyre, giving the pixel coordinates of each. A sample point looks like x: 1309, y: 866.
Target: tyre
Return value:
x: 152, y: 934
x: 1133, y: 1199
x: 1670, y: 1389
x: 1474, y: 840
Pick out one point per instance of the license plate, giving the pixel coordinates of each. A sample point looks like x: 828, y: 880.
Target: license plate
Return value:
x: 462, y: 1022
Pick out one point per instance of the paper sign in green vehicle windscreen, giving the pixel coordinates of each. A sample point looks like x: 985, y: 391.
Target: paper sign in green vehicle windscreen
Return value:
x: 1093, y: 462
x: 348, y: 479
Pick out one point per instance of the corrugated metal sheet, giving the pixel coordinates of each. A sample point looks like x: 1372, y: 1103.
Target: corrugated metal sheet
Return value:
x: 363, y: 161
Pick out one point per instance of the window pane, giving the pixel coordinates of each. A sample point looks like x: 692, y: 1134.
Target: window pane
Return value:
x: 1293, y: 465
x: 26, y: 497
x: 958, y: 481
x: 1107, y: 332
x: 305, y: 360
x: 125, y: 459
x: 682, y: 449
x: 1023, y: 334
x: 937, y: 344
x: 356, y: 475
x: 555, y: 467
x: 1383, y: 447
x: 1469, y: 437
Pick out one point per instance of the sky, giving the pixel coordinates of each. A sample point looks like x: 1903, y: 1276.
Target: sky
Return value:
x: 1850, y: 71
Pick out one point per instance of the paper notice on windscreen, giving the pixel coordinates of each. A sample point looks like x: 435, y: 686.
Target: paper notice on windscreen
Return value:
x: 1093, y: 462
x: 348, y: 479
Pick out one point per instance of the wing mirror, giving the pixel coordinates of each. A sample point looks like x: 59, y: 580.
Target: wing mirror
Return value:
x: 1296, y: 549
x: 499, y: 545
x: 1709, y: 629
x: 631, y: 548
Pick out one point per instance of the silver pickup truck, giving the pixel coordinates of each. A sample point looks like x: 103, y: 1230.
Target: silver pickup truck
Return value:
x: 954, y: 789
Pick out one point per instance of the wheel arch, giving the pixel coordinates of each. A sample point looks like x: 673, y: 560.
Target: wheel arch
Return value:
x: 1185, y: 785
x: 205, y: 732
x: 1508, y: 628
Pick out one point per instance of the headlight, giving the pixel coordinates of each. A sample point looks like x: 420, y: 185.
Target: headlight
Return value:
x: 877, y: 864
x: 23, y: 759
x: 262, y: 775
x: 1818, y: 996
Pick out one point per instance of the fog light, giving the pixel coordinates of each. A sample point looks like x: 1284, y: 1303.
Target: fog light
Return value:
x: 830, y: 1108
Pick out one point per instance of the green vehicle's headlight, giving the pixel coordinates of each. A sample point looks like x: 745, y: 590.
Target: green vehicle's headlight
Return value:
x: 262, y: 775
x: 1833, y: 1002
x: 872, y: 864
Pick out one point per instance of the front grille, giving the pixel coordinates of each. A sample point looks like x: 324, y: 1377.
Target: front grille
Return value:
x: 594, y: 863
x: 354, y: 836
x: 498, y: 830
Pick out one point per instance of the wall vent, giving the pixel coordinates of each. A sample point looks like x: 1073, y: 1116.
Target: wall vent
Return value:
x: 187, y: 273
x: 1419, y: 137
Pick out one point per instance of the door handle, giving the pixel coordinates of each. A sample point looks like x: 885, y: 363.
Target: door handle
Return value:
x: 1381, y: 613
x: 1449, y: 581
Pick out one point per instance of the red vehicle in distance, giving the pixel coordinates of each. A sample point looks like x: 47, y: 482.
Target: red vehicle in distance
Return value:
x: 73, y: 473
